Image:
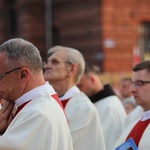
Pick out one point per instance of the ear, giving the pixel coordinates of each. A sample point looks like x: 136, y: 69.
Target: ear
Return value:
x: 24, y: 74
x: 72, y: 69
x: 92, y: 79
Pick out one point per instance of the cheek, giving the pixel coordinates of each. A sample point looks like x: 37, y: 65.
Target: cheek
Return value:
x: 58, y: 74
x: 144, y: 95
x: 84, y: 86
x: 5, y: 91
x: 61, y: 73
x: 54, y: 72
x: 87, y: 84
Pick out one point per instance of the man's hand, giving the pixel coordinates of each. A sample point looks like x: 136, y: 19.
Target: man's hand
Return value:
x: 6, y: 115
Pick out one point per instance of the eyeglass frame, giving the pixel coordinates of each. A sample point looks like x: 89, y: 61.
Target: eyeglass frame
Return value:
x: 139, y: 83
x: 54, y: 62
x: 3, y: 74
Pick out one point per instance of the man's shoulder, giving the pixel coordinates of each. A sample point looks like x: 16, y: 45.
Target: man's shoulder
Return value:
x: 81, y: 104
x: 81, y: 97
x: 81, y: 100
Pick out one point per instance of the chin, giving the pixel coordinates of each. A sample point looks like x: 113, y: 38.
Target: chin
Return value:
x: 137, y: 101
x: 46, y: 76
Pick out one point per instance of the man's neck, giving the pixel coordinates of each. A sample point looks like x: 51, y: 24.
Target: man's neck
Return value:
x: 61, y: 87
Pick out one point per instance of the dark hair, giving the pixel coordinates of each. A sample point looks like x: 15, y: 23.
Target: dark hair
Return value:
x: 91, y: 68
x: 142, y: 65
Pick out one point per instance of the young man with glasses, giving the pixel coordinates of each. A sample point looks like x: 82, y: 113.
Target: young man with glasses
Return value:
x: 140, y: 88
x: 39, y: 122
x: 64, y: 69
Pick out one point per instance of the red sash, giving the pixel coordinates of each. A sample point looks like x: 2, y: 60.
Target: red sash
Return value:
x: 138, y: 130
x: 20, y: 107
x: 55, y: 96
x: 64, y: 102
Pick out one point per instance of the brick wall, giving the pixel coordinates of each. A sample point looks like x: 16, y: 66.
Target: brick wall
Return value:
x: 104, y: 31
x: 78, y: 25
x: 120, y: 21
x: 31, y: 22
x: 25, y: 19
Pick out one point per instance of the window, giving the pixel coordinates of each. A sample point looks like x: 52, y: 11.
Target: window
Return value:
x: 144, y: 40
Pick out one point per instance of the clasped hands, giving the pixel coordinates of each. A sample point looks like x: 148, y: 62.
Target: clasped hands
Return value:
x: 6, y: 115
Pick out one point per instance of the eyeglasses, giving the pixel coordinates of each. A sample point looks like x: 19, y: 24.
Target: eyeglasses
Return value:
x: 139, y: 83
x: 3, y: 74
x: 56, y: 62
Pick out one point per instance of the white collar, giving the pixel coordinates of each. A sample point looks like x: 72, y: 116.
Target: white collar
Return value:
x: 70, y: 93
x: 36, y: 92
x: 146, y: 115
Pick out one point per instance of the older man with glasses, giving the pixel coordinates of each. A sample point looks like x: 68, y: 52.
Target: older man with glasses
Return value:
x: 39, y: 122
x: 139, y: 131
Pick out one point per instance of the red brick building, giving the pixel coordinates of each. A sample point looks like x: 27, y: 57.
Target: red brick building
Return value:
x: 105, y: 31
x: 127, y: 24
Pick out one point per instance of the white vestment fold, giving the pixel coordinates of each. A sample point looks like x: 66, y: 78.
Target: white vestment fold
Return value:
x: 40, y: 125
x: 84, y: 123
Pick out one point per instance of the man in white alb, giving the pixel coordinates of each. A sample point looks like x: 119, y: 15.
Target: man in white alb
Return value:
x: 63, y: 70
x: 39, y: 122
x: 139, y: 130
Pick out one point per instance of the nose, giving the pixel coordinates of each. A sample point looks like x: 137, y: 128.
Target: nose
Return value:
x: 46, y: 65
x: 133, y: 88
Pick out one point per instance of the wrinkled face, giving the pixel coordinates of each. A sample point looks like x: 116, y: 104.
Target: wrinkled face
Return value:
x: 124, y: 89
x: 141, y: 92
x: 9, y: 82
x: 85, y: 85
x: 56, y: 69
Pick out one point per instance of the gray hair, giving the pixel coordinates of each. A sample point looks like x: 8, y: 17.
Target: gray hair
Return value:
x: 21, y: 53
x: 73, y: 56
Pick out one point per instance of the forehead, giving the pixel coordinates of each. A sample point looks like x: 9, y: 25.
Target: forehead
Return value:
x: 59, y: 55
x: 2, y: 55
x: 141, y: 75
x: 2, y: 58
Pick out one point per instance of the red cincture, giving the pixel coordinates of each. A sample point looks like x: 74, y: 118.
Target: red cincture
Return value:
x: 20, y: 107
x: 55, y: 96
x: 138, y: 130
x: 64, y: 102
